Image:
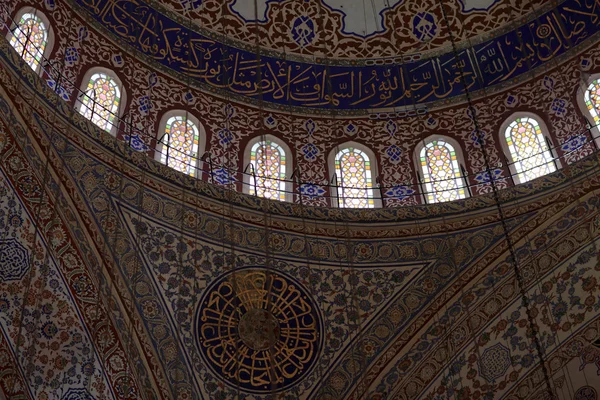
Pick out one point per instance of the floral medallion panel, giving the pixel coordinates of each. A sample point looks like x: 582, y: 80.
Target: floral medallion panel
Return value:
x: 250, y: 324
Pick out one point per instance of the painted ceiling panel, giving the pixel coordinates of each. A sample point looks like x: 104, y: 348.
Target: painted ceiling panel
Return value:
x: 323, y: 83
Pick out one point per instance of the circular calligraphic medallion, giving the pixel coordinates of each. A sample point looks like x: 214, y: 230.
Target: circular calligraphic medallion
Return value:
x: 258, y: 330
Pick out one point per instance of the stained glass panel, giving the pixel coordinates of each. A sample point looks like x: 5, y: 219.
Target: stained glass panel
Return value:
x: 441, y: 172
x: 180, y: 144
x: 268, y: 160
x: 528, y: 149
x: 592, y: 101
x: 353, y: 170
x: 29, y: 39
x: 100, y: 102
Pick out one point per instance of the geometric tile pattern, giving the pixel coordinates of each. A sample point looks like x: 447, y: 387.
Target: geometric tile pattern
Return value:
x: 494, y: 362
x: 14, y: 260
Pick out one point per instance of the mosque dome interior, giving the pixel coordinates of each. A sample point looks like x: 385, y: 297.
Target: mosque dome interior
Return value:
x: 300, y: 199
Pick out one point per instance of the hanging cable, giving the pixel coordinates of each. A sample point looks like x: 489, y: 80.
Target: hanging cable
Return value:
x: 525, y: 300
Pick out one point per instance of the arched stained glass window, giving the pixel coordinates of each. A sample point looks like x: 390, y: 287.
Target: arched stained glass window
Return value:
x: 354, y: 182
x: 441, y: 172
x: 529, y: 151
x: 269, y: 162
x: 100, y: 100
x: 180, y: 144
x: 592, y: 101
x: 30, y: 38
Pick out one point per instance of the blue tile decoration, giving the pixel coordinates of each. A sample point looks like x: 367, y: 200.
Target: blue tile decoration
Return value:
x: 394, y: 153
x: 310, y: 151
x: 586, y: 64
x: 424, y: 26
x: 311, y: 190
x: 117, y: 60
x: 548, y: 83
x: 310, y: 127
x: 82, y: 33
x: 145, y: 105
x: 152, y: 79
x: 222, y: 176
x: 574, y: 142
x: 400, y: 192
x: 136, y: 142
x: 362, y: 86
x: 510, y: 100
x: 50, y: 4
x: 191, y: 5
x: 225, y: 137
x: 61, y: 91
x: 351, y: 129
x: 303, y: 30
x: 71, y: 55
x: 391, y: 127
x: 270, y: 121
x: 559, y: 107
x: 229, y: 111
x: 478, y: 138
x: 484, y: 177
x: 431, y: 122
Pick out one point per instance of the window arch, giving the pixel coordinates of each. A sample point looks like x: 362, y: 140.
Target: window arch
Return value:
x: 31, y: 36
x: 270, y: 161
x: 592, y: 101
x: 101, y: 98
x: 181, y: 142
x: 354, y: 170
x: 439, y: 164
x: 527, y: 147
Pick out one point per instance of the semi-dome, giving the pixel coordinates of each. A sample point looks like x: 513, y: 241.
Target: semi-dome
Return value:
x: 313, y: 199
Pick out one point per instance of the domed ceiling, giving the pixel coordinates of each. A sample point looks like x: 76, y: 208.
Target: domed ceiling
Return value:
x: 128, y: 279
x: 351, y: 56
x: 351, y: 29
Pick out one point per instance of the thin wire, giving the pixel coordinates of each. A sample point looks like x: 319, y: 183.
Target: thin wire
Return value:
x: 524, y: 298
x: 353, y: 327
x: 527, y: 234
x: 423, y: 143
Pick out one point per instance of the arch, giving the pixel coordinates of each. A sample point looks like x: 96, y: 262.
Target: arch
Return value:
x: 271, y: 162
x: 181, y: 141
x: 355, y: 168
x: 525, y: 143
x: 101, y: 98
x: 438, y: 159
x: 588, y: 99
x: 31, y: 36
